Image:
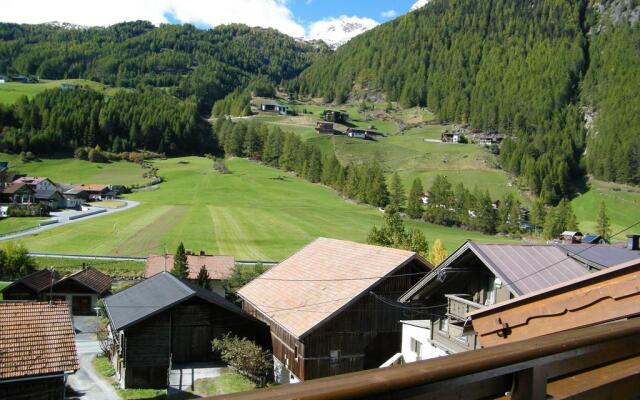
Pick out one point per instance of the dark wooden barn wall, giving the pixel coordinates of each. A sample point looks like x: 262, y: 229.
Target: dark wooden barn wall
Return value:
x: 41, y: 389
x: 20, y: 292
x: 70, y: 286
x: 366, y: 333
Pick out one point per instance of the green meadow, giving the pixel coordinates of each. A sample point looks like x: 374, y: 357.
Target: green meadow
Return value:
x: 10, y: 92
x: 8, y: 225
x: 255, y: 212
x: 69, y: 170
x: 622, y: 202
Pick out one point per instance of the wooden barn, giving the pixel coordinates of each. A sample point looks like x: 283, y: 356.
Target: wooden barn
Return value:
x: 37, y: 350
x: 331, y: 307
x: 31, y: 287
x: 164, y: 321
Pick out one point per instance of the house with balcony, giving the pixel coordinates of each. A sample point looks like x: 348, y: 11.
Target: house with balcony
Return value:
x: 473, y: 277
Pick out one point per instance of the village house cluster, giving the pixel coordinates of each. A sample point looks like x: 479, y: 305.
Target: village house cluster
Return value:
x: 31, y: 190
x: 334, y: 307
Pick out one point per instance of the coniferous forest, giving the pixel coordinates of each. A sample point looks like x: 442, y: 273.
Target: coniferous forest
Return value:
x: 519, y: 67
x: 559, y: 77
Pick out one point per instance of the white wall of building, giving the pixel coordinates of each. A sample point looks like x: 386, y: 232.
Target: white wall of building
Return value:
x: 422, y: 336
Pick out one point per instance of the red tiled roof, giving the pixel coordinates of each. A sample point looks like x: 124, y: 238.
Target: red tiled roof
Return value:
x: 92, y: 187
x: 219, y: 267
x: 91, y: 278
x: 307, y: 288
x: 36, y: 338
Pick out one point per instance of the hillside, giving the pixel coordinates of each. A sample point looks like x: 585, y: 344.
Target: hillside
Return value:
x: 207, y: 64
x: 512, y: 66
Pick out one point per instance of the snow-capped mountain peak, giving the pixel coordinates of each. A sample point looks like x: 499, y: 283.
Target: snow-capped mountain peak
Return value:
x: 337, y: 31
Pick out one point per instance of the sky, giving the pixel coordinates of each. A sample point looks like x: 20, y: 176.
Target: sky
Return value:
x: 298, y: 18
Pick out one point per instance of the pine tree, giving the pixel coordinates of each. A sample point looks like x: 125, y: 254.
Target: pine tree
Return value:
x: 603, y: 224
x: 414, y: 204
x: 397, y: 197
x: 180, y: 266
x: 437, y: 253
x: 203, y: 278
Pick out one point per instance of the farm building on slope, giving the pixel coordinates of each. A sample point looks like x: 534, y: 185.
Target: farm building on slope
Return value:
x: 164, y: 321
x: 37, y: 350
x: 220, y: 268
x: 329, y: 307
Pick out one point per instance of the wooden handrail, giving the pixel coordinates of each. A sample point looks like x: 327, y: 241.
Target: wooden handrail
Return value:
x: 519, y: 366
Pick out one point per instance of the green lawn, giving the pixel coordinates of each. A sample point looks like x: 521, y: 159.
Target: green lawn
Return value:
x: 12, y: 91
x: 226, y: 383
x: 2, y: 286
x: 248, y: 214
x: 623, y: 207
x: 68, y: 170
x: 15, y: 224
x: 104, y: 367
x: 116, y: 269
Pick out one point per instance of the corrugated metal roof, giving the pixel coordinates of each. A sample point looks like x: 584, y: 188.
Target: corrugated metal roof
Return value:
x: 153, y: 296
x: 527, y: 268
x: 599, y: 255
x: 319, y: 280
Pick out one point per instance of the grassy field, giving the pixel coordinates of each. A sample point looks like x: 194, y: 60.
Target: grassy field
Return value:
x: 116, y: 269
x: 248, y: 214
x: 623, y: 207
x: 68, y: 170
x: 2, y: 286
x: 12, y: 91
x: 15, y: 224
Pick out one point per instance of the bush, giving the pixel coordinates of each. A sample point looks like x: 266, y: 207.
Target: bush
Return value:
x: 27, y: 157
x: 245, y: 356
x: 28, y: 210
x: 15, y: 261
x: 220, y: 166
x: 96, y: 156
x: 81, y: 154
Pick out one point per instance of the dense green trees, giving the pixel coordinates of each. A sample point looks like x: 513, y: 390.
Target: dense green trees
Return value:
x: 559, y: 219
x: 414, y: 203
x: 15, y: 261
x: 515, y: 67
x: 285, y: 150
x: 207, y: 64
x: 392, y: 233
x: 62, y: 120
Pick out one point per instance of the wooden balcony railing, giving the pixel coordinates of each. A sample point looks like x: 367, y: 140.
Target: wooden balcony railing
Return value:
x: 458, y: 307
x: 600, y: 362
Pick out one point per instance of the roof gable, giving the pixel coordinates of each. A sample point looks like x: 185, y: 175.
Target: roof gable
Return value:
x: 320, y: 280
x: 91, y: 279
x: 37, y: 281
x: 36, y: 339
x: 155, y: 295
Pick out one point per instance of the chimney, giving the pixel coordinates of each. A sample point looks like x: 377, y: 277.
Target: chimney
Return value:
x: 632, y: 243
x: 202, y: 253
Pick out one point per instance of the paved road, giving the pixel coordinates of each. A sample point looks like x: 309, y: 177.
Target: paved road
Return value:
x: 64, y: 220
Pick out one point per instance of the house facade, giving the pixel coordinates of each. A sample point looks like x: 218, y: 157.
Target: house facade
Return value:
x: 37, y: 350
x: 472, y: 278
x: 330, y: 307
x: 17, y: 193
x: 164, y: 321
x: 38, y: 184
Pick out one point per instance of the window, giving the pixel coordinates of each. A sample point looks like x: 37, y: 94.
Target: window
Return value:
x: 334, y: 355
x: 295, y: 352
x: 416, y: 346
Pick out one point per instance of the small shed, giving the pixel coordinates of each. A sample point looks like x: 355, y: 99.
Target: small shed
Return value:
x: 31, y: 287
x: 82, y: 290
x: 324, y: 127
x: 164, y: 321
x: 571, y: 237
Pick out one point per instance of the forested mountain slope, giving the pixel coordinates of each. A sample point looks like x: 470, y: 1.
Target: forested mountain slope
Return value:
x: 515, y: 66
x: 206, y: 63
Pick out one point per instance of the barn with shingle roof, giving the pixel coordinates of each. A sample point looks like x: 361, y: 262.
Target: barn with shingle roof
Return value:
x: 330, y: 306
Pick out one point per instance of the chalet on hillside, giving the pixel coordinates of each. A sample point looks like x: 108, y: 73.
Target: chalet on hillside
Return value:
x: 220, y: 268
x: 330, y: 307
x: 37, y: 183
x: 339, y: 117
x: 164, y: 321
x: 480, y: 275
x: 571, y: 237
x: 17, y: 193
x: 450, y: 137
x: 97, y: 192
x: 608, y: 295
x: 81, y: 290
x: 274, y: 107
x: 74, y: 196
x: 37, y: 350
x: 324, y: 127
x: 51, y: 198
x: 359, y: 133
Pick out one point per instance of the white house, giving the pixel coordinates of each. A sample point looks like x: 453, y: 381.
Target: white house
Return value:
x: 416, y: 343
x: 38, y: 184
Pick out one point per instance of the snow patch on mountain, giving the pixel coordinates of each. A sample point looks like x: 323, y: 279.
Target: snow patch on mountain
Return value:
x: 337, y: 31
x: 419, y: 4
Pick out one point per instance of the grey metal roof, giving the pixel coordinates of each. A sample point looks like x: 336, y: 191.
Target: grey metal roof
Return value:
x: 522, y: 268
x: 155, y: 295
x: 599, y: 255
x: 527, y: 268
